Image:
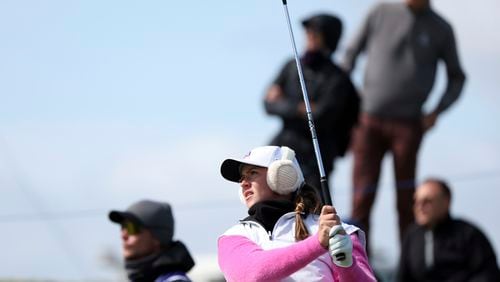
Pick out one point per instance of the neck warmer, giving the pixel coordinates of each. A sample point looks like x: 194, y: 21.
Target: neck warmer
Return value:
x: 268, y: 212
x: 141, y: 269
x: 174, y: 258
x: 315, y: 59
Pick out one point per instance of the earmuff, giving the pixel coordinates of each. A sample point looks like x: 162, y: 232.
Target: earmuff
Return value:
x: 284, y: 176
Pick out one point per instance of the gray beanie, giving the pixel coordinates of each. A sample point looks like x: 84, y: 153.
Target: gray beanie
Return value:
x: 155, y: 216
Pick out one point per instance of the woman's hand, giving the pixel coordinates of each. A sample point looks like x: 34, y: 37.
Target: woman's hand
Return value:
x: 327, y: 219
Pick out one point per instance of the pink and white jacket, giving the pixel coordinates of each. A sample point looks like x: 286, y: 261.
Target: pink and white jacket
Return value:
x: 246, y: 252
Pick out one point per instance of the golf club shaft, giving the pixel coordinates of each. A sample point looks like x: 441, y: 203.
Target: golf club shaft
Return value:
x: 325, y: 191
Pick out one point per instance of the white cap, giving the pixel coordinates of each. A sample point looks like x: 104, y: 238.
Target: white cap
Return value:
x: 260, y: 156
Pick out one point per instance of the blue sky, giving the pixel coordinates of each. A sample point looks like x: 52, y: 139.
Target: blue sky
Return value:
x: 107, y: 102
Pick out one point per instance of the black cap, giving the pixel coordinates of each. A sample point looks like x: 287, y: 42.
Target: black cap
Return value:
x: 155, y: 216
x: 328, y: 25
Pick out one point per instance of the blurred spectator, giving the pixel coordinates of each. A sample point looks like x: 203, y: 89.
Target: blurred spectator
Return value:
x: 404, y: 43
x: 440, y: 248
x: 333, y: 99
x: 147, y: 229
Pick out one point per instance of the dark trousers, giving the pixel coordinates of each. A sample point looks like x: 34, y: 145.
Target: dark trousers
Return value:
x: 372, y: 139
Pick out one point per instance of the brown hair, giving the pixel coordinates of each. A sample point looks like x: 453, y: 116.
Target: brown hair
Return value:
x: 306, y: 202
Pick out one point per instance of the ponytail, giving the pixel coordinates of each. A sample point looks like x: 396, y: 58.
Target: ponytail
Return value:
x: 306, y: 202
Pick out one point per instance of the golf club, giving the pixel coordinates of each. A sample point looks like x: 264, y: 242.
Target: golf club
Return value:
x: 325, y: 191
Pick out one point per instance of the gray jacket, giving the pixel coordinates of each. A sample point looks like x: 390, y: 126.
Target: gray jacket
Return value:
x: 403, y: 49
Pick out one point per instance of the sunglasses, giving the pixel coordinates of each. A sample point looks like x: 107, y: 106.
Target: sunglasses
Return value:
x: 131, y: 227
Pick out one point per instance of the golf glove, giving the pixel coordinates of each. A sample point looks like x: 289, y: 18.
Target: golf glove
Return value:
x: 340, y: 246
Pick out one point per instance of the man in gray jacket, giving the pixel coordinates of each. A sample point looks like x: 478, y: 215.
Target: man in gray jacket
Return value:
x: 404, y: 43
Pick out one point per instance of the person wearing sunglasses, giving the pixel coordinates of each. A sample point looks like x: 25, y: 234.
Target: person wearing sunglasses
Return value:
x: 150, y: 253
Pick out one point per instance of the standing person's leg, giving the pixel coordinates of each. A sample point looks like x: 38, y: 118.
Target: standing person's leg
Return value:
x: 407, y: 137
x: 369, y: 147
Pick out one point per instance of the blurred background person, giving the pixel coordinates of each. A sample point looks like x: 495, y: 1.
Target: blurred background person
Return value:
x: 332, y: 96
x: 441, y: 248
x: 150, y: 253
x: 403, y: 42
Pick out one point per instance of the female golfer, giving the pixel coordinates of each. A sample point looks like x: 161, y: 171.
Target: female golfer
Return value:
x: 284, y: 238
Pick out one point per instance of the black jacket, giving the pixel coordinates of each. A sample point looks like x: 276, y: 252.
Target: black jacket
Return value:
x: 336, y: 112
x: 461, y: 253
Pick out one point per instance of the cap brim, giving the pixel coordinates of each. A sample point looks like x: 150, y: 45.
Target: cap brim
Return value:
x: 312, y: 26
x: 119, y: 217
x: 230, y: 169
x: 306, y: 23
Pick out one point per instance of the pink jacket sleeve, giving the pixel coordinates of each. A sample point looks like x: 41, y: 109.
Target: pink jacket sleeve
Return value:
x: 240, y: 259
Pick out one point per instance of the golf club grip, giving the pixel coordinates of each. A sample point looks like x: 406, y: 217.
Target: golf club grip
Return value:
x: 325, y: 191
x: 327, y: 199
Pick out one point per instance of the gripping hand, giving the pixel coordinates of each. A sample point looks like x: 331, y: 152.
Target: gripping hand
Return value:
x: 340, y: 247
